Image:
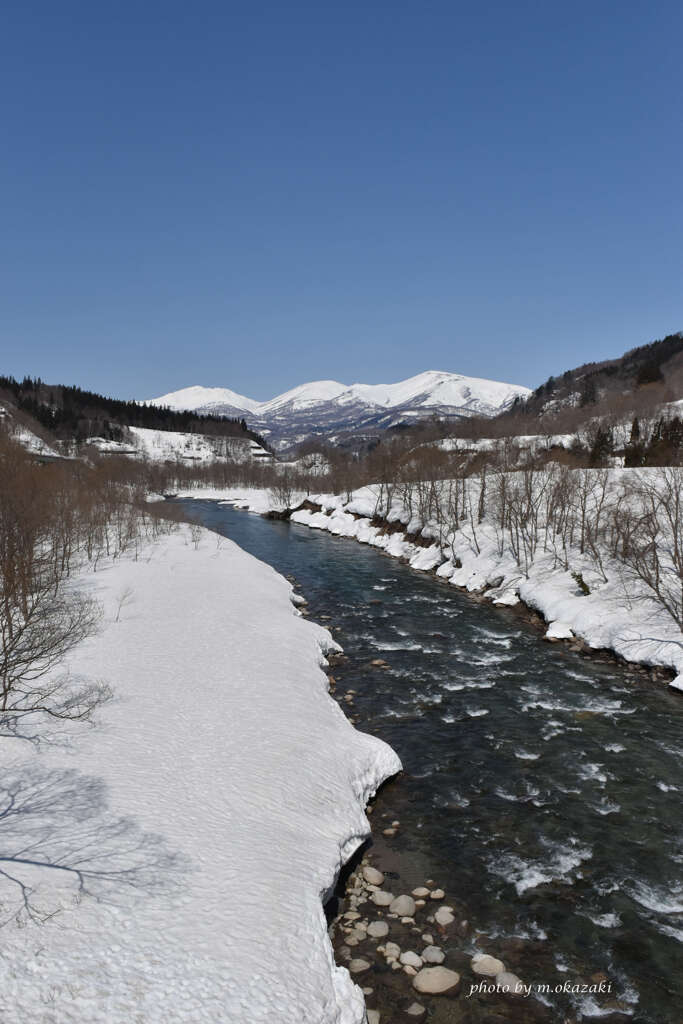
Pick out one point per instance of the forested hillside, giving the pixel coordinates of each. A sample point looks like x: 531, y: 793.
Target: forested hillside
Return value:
x: 71, y: 413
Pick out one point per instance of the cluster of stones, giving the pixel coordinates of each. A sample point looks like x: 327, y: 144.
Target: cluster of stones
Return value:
x: 424, y: 967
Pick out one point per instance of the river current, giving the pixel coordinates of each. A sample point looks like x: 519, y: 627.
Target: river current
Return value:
x: 541, y: 788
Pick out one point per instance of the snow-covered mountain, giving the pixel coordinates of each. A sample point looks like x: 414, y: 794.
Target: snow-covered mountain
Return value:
x: 327, y: 408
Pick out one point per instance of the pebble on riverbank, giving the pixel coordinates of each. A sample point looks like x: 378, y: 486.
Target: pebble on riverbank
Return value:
x: 436, y: 980
x: 424, y: 969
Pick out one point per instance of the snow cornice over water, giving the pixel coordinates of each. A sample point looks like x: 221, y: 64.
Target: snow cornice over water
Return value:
x: 434, y: 388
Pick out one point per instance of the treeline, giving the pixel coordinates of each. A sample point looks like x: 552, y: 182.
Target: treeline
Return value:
x: 627, y: 529
x: 644, y: 365
x: 72, y: 413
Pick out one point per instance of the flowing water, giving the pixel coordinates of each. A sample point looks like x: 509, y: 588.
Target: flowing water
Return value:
x: 542, y: 789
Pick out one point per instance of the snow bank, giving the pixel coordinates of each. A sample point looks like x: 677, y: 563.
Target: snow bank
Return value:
x: 631, y: 624
x: 634, y: 627
x: 209, y: 811
x: 253, y: 499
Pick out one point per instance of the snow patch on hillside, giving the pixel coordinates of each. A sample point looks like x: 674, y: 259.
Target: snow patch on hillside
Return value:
x: 21, y: 435
x: 177, y: 445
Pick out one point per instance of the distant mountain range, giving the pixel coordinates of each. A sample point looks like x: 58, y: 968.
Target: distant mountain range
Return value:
x: 337, y: 412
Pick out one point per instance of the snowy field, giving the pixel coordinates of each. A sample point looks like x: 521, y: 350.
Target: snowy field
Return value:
x: 169, y: 864
x: 615, y: 616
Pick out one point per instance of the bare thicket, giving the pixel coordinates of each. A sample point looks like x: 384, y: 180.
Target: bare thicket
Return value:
x: 53, y: 520
x: 649, y: 539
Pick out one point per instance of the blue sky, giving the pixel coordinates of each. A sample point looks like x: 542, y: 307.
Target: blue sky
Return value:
x: 258, y: 194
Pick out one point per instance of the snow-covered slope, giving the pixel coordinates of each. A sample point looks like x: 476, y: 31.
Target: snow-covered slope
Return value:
x: 206, y: 816
x: 180, y: 446
x: 205, y: 400
x: 303, y: 397
x: 21, y: 435
x: 327, y: 407
x: 435, y: 388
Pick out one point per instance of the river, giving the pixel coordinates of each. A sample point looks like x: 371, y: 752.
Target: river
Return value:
x: 542, y: 789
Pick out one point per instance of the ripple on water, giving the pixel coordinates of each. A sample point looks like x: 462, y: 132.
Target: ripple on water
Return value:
x: 561, y: 861
x: 656, y: 899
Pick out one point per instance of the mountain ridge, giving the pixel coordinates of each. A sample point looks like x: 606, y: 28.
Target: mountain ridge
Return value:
x: 330, y: 409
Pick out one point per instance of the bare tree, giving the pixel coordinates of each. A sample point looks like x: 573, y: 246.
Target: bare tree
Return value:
x: 123, y: 598
x: 652, y: 540
x: 37, y: 633
x: 282, y: 489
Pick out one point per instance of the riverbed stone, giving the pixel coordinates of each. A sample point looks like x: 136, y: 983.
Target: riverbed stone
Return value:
x: 444, y: 917
x: 428, y: 939
x: 373, y: 1016
x: 382, y: 899
x: 436, y: 980
x: 420, y: 893
x: 388, y: 831
x: 410, y: 958
x: 437, y: 894
x: 378, y: 929
x: 509, y: 983
x: 358, y: 965
x: 372, y: 875
x: 392, y: 950
x: 487, y: 965
x: 433, y: 955
x: 409, y: 970
x: 404, y: 906
x: 416, y: 1010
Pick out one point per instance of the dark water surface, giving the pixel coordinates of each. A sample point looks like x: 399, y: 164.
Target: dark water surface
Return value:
x: 541, y: 789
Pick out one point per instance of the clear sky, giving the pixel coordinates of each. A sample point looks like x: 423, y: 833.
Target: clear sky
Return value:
x: 257, y: 194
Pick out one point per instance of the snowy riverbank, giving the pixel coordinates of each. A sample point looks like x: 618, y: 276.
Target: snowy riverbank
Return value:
x: 611, y: 617
x: 204, y: 818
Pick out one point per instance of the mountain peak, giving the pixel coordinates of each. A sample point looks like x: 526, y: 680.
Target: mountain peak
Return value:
x: 325, y: 408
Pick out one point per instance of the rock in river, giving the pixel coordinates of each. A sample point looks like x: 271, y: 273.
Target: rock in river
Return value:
x: 509, y: 983
x: 404, y: 906
x: 436, y: 980
x: 489, y: 966
x: 382, y: 899
x: 372, y: 875
x: 433, y: 955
